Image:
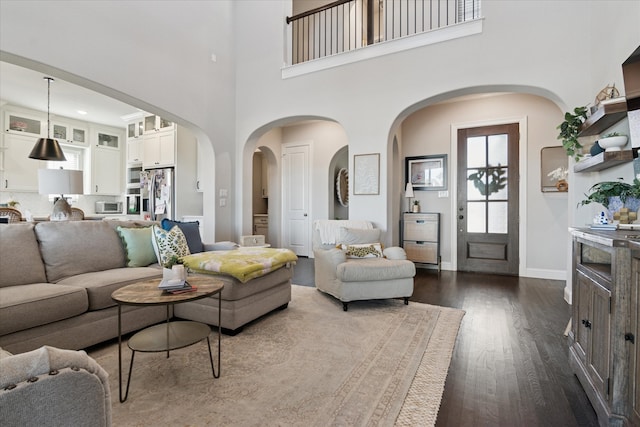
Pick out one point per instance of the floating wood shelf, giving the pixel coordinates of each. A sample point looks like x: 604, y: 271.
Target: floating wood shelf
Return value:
x: 609, y: 113
x: 605, y: 160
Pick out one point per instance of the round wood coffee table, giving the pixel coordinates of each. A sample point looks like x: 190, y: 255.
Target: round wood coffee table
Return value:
x: 171, y: 335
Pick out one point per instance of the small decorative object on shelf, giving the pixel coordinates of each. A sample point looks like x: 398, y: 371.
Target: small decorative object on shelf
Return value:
x: 614, y: 196
x: 560, y: 175
x: 613, y: 141
x: 416, y: 206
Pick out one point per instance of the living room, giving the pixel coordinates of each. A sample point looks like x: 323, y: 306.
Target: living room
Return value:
x: 532, y: 60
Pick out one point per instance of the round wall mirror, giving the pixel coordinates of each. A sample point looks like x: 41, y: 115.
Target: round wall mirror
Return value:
x: 342, y: 187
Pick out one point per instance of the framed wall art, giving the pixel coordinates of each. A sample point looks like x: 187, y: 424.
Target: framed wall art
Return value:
x: 366, y: 173
x: 427, y: 172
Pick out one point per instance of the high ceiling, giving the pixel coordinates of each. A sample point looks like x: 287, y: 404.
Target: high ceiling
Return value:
x: 27, y: 88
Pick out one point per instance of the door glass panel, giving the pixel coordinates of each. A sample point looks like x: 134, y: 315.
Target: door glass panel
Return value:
x: 23, y: 124
x: 149, y: 123
x: 78, y: 135
x: 131, y: 130
x: 476, y: 152
x: 105, y: 140
x: 497, y: 185
x: 59, y: 132
x: 498, y: 214
x: 476, y: 184
x: 164, y: 123
x: 476, y: 217
x: 498, y: 151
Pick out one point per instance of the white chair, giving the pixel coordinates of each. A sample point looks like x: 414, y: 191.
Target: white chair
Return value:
x: 347, y: 278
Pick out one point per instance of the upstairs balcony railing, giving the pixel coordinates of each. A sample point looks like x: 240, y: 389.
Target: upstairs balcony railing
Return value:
x: 346, y: 25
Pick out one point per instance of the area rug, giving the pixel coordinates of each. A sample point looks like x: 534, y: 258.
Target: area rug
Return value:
x: 380, y: 363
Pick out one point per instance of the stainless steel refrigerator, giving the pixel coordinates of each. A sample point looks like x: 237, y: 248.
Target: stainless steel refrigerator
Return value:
x: 158, y: 193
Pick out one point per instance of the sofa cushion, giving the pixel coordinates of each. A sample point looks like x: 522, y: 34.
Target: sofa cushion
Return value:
x: 138, y: 246
x: 191, y: 231
x: 20, y: 262
x: 75, y: 247
x: 374, y: 269
x: 100, y: 285
x: 44, y: 302
x: 169, y: 244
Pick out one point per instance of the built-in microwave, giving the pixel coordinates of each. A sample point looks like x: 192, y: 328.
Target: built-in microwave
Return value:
x: 108, y: 207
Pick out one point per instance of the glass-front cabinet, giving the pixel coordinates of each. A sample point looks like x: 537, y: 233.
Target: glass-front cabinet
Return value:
x: 69, y: 134
x: 106, y: 140
x: 156, y: 124
x: 25, y: 124
x: 135, y: 129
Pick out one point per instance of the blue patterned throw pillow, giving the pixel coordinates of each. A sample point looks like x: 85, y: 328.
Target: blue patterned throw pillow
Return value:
x: 168, y: 244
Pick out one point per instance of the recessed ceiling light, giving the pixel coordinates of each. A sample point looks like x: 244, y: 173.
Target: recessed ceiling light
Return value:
x: 82, y: 112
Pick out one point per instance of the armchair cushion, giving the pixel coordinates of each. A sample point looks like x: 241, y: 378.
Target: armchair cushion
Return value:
x: 354, y: 236
x: 374, y: 270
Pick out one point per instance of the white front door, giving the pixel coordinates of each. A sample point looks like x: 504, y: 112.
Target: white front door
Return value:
x: 296, y: 229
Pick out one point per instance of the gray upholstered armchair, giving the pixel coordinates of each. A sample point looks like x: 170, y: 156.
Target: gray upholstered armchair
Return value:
x: 53, y: 387
x: 359, y: 269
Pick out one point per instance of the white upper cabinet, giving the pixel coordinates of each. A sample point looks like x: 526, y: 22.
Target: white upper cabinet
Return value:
x: 70, y: 134
x: 159, y: 150
x: 20, y: 173
x: 25, y: 124
x: 153, y: 124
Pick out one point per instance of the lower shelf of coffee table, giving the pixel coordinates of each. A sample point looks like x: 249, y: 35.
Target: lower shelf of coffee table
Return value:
x: 169, y: 336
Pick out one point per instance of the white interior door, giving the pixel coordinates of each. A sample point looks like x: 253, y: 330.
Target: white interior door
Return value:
x: 296, y: 229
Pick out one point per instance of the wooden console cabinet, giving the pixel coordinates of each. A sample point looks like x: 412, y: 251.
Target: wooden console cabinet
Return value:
x: 603, y: 351
x: 421, y: 237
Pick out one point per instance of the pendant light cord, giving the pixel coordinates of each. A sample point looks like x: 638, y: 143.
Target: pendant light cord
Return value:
x: 49, y: 79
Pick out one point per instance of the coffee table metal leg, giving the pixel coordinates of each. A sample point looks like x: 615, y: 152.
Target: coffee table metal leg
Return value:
x: 120, y: 353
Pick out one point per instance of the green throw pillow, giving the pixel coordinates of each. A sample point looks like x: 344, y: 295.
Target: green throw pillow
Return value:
x: 138, y: 246
x: 168, y: 244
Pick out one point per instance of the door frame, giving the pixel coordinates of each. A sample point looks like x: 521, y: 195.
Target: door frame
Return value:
x: 522, y: 188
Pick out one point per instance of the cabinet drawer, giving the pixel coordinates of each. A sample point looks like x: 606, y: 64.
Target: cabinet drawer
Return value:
x: 421, y: 230
x: 426, y: 252
x: 261, y: 220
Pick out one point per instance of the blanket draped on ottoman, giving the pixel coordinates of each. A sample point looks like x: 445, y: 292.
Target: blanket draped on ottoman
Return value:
x: 244, y: 264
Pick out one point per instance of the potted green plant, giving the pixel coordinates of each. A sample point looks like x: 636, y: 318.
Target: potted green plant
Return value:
x: 614, y: 195
x: 569, y: 130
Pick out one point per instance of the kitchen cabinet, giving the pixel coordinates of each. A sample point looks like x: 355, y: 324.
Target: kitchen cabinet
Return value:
x: 70, y: 134
x: 605, y: 306
x: 421, y: 237
x: 134, y: 151
x: 20, y: 173
x: 106, y: 160
x: 261, y: 225
x: 25, y: 124
x: 158, y: 150
x: 135, y: 129
x: 153, y: 124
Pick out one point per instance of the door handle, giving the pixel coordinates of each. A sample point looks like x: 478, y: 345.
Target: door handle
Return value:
x: 305, y: 214
x: 460, y: 216
x: 630, y: 337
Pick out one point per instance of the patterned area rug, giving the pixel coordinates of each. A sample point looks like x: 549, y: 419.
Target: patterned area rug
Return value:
x: 380, y: 363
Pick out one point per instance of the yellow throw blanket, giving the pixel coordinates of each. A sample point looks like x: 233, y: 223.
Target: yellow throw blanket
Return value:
x: 244, y: 263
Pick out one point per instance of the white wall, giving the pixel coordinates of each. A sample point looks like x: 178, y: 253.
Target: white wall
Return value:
x: 157, y: 56
x: 428, y: 131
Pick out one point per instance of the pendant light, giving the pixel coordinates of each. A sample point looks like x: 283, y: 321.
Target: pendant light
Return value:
x: 47, y: 148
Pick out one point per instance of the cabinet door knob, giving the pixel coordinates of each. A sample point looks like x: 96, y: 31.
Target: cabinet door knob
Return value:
x: 460, y: 216
x: 630, y: 337
x: 586, y: 323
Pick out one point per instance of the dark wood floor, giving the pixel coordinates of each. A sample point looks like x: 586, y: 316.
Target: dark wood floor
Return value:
x: 510, y: 363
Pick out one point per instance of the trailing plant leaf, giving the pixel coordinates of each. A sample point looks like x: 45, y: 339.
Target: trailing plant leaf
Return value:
x: 569, y: 130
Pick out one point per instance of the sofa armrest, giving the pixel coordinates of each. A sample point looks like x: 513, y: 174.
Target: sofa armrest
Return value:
x: 394, y: 252
x: 325, y: 265
x: 54, y: 387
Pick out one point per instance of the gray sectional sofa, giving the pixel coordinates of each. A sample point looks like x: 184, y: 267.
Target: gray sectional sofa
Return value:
x: 56, y: 281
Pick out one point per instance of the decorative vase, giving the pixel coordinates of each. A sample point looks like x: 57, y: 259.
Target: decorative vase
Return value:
x: 415, y: 208
x: 613, y: 143
x: 562, y: 185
